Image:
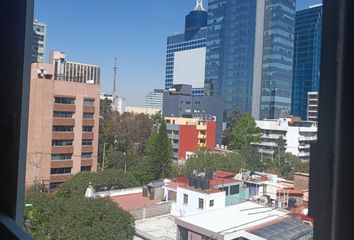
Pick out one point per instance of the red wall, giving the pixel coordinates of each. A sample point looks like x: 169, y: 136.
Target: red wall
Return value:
x: 211, y: 135
x: 188, y: 140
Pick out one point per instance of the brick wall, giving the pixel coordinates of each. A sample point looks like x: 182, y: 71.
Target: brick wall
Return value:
x: 301, y: 181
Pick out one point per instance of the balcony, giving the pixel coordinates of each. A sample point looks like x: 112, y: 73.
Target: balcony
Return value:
x: 304, y: 154
x: 86, y: 148
x: 86, y: 162
x: 201, y: 127
x: 303, y: 138
x: 61, y: 164
x: 64, y: 107
x: 272, y: 136
x: 63, y: 121
x: 87, y: 135
x: 88, y: 122
x: 266, y: 151
x: 62, y: 135
x: 62, y: 149
x: 60, y: 177
x: 268, y: 144
x: 304, y: 146
x: 89, y: 109
x: 202, y: 136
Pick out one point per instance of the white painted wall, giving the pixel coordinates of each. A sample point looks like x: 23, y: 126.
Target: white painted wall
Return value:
x: 292, y: 140
x: 189, y: 67
x: 193, y: 201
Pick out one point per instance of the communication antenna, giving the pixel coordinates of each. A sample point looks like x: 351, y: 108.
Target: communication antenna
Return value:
x: 199, y: 6
x: 114, y: 91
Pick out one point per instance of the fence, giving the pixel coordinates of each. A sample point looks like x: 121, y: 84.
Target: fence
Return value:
x: 118, y: 192
x: 151, y: 211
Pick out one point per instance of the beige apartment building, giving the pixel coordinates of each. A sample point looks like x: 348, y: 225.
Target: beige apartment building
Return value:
x: 62, y: 128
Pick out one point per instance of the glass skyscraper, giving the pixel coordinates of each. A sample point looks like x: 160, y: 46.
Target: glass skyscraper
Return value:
x: 38, y: 41
x: 249, y: 55
x: 185, y: 57
x: 307, y: 54
x: 277, y: 67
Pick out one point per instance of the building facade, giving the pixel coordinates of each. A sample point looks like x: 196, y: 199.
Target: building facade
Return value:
x: 190, y: 134
x: 312, y: 106
x: 179, y: 102
x: 296, y: 135
x: 154, y: 99
x: 62, y: 128
x: 39, y: 35
x: 307, y: 55
x: 72, y: 71
x: 185, y: 57
x: 278, y: 52
x: 249, y: 55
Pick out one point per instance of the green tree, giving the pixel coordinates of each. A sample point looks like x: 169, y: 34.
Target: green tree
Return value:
x: 67, y: 214
x: 160, y: 153
x: 244, y: 133
x: 253, y: 158
x: 208, y: 161
x: 286, y: 164
x: 233, y: 117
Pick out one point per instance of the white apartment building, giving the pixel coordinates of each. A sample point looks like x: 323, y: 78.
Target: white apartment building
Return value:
x: 298, y: 136
x: 312, y: 106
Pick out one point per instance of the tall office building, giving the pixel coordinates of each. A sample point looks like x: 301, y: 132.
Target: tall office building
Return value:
x: 72, y: 71
x: 39, y: 32
x: 249, y: 55
x: 62, y: 128
x: 154, y: 99
x: 185, y: 57
x: 307, y: 55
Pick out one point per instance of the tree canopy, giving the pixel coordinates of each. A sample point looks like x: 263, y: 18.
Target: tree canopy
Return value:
x: 67, y: 214
x: 244, y: 133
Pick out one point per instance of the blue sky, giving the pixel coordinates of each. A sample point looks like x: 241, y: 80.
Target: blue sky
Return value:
x: 95, y: 31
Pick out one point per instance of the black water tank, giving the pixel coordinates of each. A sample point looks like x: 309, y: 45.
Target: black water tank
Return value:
x: 198, y: 183
x: 205, y: 184
x: 209, y: 175
x: 292, y: 203
x: 192, y: 180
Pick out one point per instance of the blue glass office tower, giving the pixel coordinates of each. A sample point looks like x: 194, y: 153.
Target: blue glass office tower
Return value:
x: 249, y: 55
x: 278, y: 51
x: 307, y: 54
x: 230, y: 52
x: 185, y: 57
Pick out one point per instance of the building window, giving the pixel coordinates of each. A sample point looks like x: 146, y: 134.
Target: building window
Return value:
x: 62, y: 156
x: 211, y: 203
x: 86, y: 169
x: 86, y: 155
x: 185, y: 199
x: 64, y: 100
x: 234, y: 189
x: 62, y: 142
x: 60, y: 170
x: 63, y: 128
x: 54, y: 185
x: 89, y: 102
x: 225, y: 189
x: 201, y: 203
x: 63, y: 114
x: 88, y: 115
x: 168, y: 121
x: 87, y: 128
x: 86, y: 142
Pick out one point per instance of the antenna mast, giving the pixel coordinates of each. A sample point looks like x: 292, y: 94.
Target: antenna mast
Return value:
x: 114, y: 91
x: 199, y: 6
